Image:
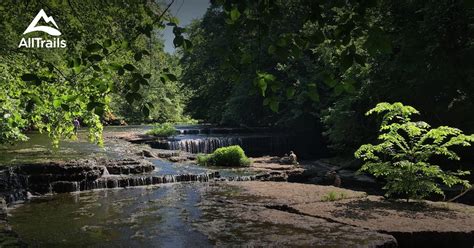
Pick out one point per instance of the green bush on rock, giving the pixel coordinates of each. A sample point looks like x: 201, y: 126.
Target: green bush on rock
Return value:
x: 225, y: 156
x: 163, y: 130
x: 403, y: 156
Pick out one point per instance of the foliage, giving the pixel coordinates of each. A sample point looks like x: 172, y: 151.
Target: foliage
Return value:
x: 225, y: 156
x: 404, y: 155
x: 163, y: 130
x: 105, y: 44
x: 258, y: 62
x: 164, y: 90
x: 441, y: 39
x: 308, y: 46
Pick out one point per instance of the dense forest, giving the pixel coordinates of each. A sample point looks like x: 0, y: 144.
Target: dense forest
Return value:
x: 304, y: 64
x: 301, y: 65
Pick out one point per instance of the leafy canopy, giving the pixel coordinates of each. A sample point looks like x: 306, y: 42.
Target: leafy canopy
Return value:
x: 404, y: 155
x: 106, y: 43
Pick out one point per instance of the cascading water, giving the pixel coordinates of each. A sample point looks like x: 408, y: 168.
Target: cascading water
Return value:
x: 203, y: 145
x: 129, y: 181
x: 13, y: 186
x: 106, y: 172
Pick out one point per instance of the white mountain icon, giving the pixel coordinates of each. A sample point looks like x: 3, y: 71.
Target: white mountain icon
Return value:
x: 41, y: 14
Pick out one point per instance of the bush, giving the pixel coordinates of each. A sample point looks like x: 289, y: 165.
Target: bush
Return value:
x: 403, y: 156
x: 225, y: 156
x: 163, y: 130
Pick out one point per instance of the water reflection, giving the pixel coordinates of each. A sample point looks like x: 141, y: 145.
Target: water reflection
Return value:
x: 139, y: 217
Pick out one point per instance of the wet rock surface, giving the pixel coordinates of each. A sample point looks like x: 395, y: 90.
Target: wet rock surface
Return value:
x: 41, y: 178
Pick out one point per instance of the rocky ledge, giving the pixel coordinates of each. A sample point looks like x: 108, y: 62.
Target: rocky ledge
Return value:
x: 413, y: 224
x: 40, y: 178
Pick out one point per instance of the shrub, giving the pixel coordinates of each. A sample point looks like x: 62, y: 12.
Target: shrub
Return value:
x: 225, y: 156
x: 403, y: 156
x: 163, y: 130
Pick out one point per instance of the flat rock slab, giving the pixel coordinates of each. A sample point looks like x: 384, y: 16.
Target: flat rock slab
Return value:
x: 431, y: 224
x: 229, y: 217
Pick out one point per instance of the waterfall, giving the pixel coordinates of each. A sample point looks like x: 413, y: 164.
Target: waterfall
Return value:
x: 129, y: 181
x: 204, y: 145
x: 106, y: 172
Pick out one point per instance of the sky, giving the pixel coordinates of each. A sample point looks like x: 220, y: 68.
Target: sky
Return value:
x: 185, y: 11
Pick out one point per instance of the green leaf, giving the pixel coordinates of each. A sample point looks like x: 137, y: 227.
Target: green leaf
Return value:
x: 290, y: 92
x: 262, y: 84
x: 129, y: 67
x: 148, y: 75
x: 95, y: 57
x: 171, y: 77
x: 143, y: 81
x: 120, y: 71
x: 57, y: 103
x: 99, y: 110
x: 96, y: 68
x: 135, y: 86
x: 77, y: 62
x: 178, y: 41
x: 234, y: 14
x: 131, y: 97
x: 29, y: 77
x: 108, y: 43
x: 95, y: 47
x: 92, y: 105
x: 138, y: 56
x: 266, y: 101
x: 274, y: 105
x: 146, y: 111
x: 188, y: 44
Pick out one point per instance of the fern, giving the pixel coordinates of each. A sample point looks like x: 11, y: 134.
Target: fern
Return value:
x: 402, y: 157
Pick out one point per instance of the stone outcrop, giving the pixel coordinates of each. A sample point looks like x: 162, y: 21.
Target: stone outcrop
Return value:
x: 413, y: 224
x: 264, y: 224
x: 41, y: 178
x: 271, y: 169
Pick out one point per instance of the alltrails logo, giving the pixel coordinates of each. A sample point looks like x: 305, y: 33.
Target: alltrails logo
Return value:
x: 40, y: 42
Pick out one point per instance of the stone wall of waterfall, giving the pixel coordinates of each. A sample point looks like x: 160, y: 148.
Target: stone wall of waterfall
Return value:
x: 203, y: 145
x: 253, y: 145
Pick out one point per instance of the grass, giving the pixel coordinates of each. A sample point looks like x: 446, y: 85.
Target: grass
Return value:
x: 231, y: 156
x: 163, y: 130
x: 334, y: 196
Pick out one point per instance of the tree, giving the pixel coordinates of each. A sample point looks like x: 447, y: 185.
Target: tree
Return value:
x: 404, y: 156
x: 50, y: 89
